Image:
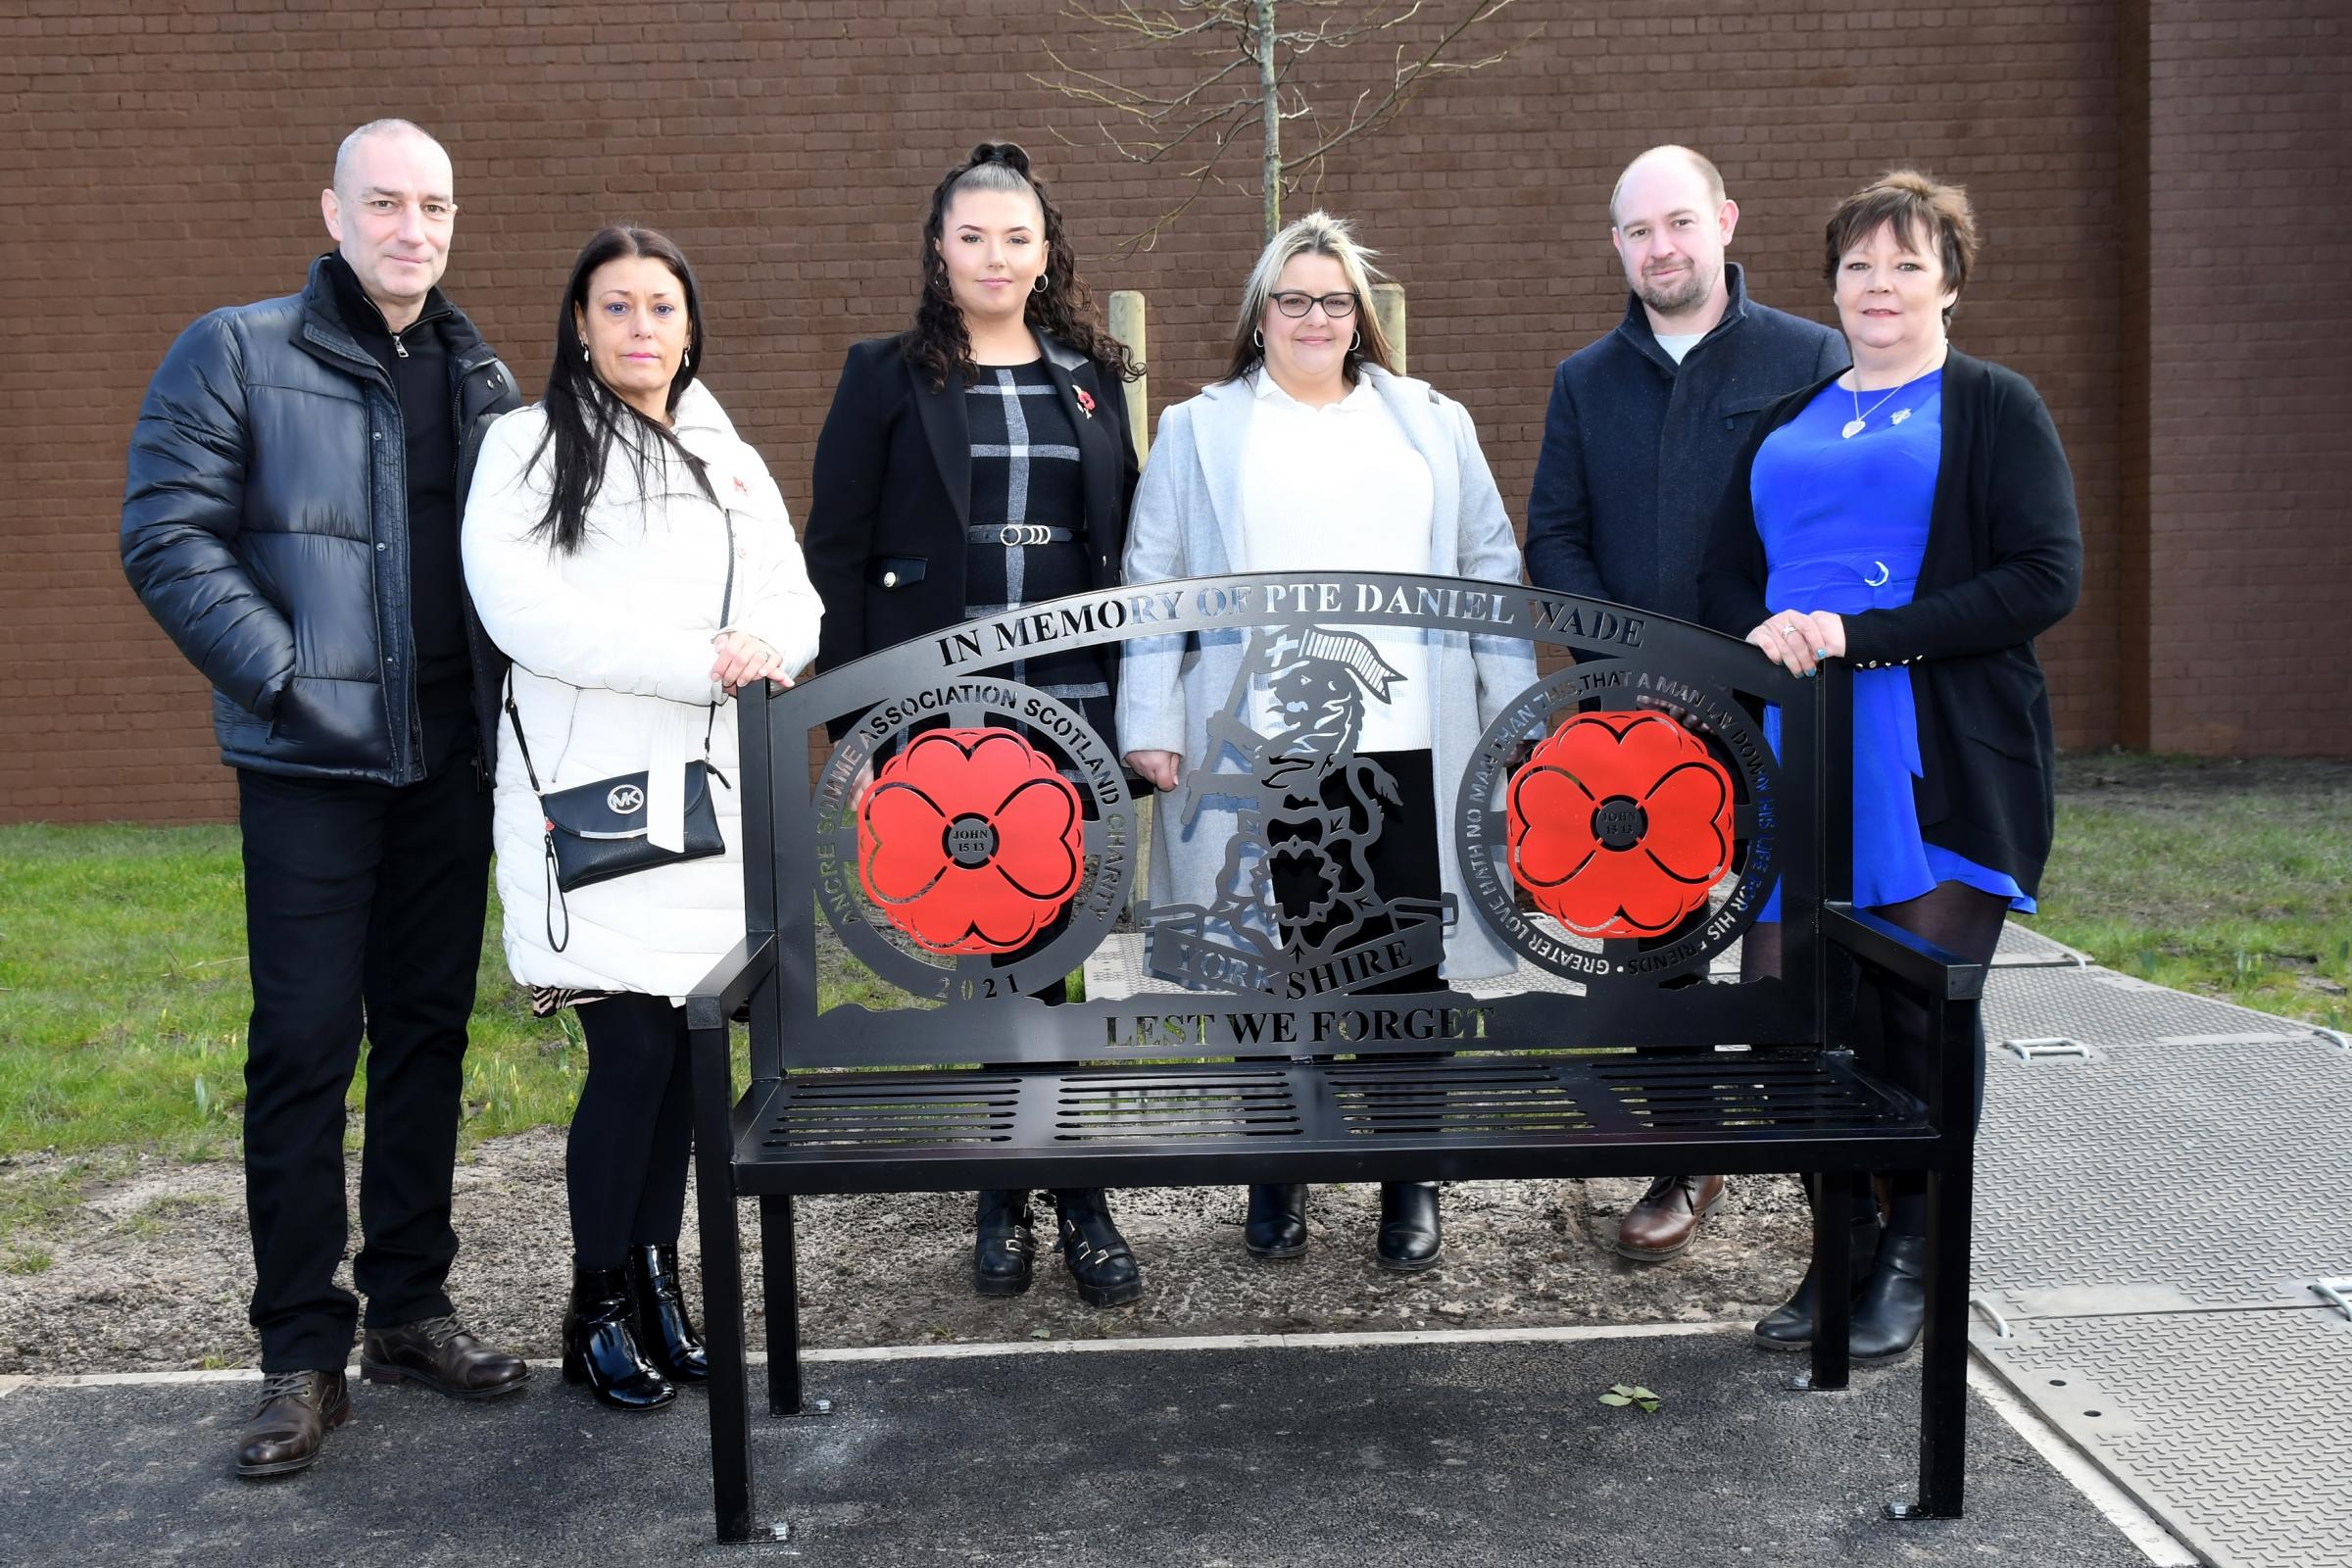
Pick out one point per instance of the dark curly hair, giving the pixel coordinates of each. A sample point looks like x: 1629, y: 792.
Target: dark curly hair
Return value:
x: 937, y: 343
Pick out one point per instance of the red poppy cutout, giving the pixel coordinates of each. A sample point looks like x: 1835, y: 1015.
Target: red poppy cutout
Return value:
x: 969, y: 841
x: 1620, y: 823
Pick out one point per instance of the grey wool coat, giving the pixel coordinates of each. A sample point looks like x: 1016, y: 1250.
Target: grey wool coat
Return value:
x: 1186, y: 521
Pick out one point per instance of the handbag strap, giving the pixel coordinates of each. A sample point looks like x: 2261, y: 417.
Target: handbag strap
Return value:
x: 726, y: 608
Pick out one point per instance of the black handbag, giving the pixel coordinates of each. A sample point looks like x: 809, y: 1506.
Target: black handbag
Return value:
x: 595, y: 832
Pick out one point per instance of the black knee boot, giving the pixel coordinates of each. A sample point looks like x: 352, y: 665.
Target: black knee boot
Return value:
x: 599, y: 1344
x: 664, y: 1333
x: 1092, y: 1249
x: 1003, y: 1246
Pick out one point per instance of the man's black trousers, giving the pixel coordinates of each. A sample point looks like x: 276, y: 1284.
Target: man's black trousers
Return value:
x: 364, y: 909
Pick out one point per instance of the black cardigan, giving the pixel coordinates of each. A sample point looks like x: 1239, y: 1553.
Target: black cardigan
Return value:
x: 890, y: 496
x: 2003, y: 565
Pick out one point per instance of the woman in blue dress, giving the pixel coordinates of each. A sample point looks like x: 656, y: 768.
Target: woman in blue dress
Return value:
x: 1915, y: 516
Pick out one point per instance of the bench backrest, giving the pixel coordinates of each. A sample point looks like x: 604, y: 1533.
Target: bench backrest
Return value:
x: 1000, y: 845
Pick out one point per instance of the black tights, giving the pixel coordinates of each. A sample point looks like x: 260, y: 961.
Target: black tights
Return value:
x: 1963, y: 922
x: 625, y: 1165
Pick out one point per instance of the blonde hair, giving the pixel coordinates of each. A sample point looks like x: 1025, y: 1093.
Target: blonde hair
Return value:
x: 1318, y: 234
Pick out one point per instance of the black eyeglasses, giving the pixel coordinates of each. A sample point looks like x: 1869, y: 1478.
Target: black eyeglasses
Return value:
x: 1338, y: 306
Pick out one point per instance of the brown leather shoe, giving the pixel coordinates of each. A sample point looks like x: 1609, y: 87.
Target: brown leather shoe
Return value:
x: 1667, y: 1217
x: 438, y: 1352
x: 296, y: 1412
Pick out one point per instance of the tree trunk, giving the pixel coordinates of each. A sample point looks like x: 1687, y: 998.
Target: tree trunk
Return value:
x: 1270, y: 169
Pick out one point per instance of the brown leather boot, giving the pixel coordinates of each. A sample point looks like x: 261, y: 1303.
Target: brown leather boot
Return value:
x: 439, y: 1352
x: 1667, y: 1217
x: 297, y: 1411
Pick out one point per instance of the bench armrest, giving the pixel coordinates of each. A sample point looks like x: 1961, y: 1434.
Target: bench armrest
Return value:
x: 730, y: 984
x: 1914, y: 961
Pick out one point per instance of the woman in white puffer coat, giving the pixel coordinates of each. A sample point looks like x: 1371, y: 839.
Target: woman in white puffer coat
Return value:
x: 633, y: 557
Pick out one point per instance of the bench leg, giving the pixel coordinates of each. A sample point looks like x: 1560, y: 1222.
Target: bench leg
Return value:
x: 723, y: 1286
x: 779, y: 1282
x: 1832, y: 1242
x: 1943, y: 1372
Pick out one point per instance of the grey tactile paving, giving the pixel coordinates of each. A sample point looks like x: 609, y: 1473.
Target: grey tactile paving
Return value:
x: 2231, y: 1427
x: 2219, y: 1174
x: 2100, y: 1007
x: 2024, y: 948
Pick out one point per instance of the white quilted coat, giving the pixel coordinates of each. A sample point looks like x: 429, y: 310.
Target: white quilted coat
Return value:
x: 612, y: 653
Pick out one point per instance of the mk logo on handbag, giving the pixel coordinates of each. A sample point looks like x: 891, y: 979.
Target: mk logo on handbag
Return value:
x: 625, y: 799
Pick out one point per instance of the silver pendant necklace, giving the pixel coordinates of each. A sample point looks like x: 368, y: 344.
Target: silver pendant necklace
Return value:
x: 1853, y: 426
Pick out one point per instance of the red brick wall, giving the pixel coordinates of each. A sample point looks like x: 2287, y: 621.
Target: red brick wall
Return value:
x: 2249, y: 398
x: 163, y: 165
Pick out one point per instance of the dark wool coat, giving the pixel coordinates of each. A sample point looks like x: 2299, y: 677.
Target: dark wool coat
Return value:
x: 1637, y: 450
x: 890, y: 496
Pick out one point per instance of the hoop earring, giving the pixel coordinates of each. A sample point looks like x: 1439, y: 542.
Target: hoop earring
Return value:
x: 1359, y: 341
x: 1257, y: 336
x: 1038, y: 287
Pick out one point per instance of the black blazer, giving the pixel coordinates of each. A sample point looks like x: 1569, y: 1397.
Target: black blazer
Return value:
x: 891, y: 495
x: 2003, y: 565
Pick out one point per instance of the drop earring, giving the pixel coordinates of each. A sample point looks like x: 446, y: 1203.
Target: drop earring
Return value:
x: 685, y: 359
x: 583, y: 351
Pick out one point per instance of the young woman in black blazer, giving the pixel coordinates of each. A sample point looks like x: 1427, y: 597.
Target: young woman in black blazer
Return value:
x: 1913, y: 516
x: 975, y: 462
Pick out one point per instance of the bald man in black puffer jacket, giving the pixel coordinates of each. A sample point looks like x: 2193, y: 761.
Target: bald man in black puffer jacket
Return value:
x: 290, y: 519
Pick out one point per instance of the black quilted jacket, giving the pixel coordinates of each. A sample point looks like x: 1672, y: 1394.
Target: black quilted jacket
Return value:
x: 265, y: 525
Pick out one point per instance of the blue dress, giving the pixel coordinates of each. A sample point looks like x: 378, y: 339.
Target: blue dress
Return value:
x: 1845, y: 525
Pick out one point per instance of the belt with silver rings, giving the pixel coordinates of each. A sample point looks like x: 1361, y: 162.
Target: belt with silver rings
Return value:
x: 1010, y: 534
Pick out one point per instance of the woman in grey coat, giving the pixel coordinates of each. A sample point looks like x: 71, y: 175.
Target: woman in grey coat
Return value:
x: 1314, y: 450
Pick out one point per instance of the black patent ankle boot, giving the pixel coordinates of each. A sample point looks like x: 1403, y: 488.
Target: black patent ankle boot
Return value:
x: 1893, y: 1304
x: 1092, y: 1249
x: 1277, y: 1225
x: 1003, y: 1246
x: 1789, y: 1327
x: 664, y: 1333
x: 600, y: 1344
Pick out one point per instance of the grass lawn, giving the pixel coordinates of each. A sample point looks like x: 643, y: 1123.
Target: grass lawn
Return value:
x: 2229, y: 878
x: 123, y: 988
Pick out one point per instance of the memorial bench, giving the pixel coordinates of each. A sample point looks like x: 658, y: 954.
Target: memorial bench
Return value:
x: 1611, y: 1050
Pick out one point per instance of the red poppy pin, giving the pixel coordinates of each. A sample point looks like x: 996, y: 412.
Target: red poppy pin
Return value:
x: 1086, y: 401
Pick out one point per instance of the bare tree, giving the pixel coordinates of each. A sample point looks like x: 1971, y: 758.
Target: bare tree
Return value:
x: 1253, y: 66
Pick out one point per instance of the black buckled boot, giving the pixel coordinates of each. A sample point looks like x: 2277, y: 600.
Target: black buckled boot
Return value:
x: 1410, y: 1238
x: 1003, y: 1246
x: 600, y: 1344
x: 1092, y: 1249
x: 1789, y: 1326
x: 1893, y: 1304
x: 664, y: 1333
x: 1277, y: 1225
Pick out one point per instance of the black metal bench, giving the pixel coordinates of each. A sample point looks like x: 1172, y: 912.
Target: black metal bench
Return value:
x: 1657, y: 1065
